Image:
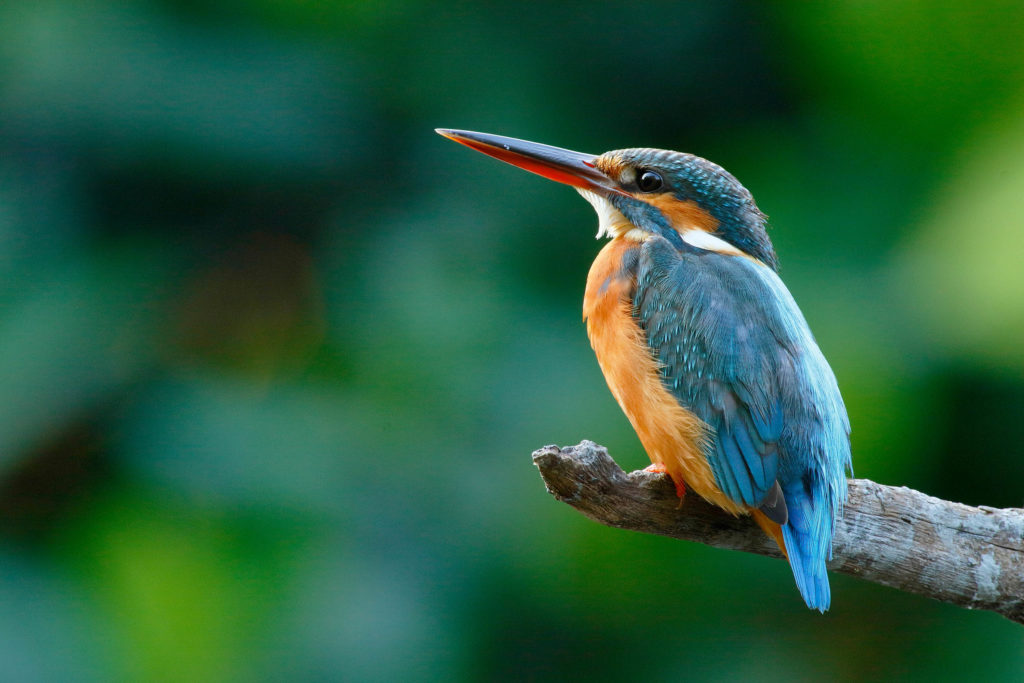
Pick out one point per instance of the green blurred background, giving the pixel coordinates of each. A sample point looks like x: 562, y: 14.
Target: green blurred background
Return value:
x: 273, y: 355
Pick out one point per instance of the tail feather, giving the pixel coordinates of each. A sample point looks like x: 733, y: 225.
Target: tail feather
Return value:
x: 808, y: 538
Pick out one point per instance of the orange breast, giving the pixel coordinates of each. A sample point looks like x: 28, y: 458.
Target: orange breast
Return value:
x: 672, y: 436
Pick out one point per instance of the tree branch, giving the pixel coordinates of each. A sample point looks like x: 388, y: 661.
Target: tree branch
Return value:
x: 968, y: 556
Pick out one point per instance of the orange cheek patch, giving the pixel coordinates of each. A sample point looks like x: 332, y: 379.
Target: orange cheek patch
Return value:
x: 682, y: 215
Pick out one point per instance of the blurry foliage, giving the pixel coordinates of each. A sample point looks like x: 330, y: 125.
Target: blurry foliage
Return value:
x: 273, y: 355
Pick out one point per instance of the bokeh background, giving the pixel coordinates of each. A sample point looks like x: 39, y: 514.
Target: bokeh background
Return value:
x: 274, y: 356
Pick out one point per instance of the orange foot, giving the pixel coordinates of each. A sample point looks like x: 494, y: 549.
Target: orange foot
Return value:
x: 680, y: 486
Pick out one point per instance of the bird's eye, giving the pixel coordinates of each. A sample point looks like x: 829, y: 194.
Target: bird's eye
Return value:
x: 649, y: 181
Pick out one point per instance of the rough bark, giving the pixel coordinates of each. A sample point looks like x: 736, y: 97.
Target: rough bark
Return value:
x: 968, y: 556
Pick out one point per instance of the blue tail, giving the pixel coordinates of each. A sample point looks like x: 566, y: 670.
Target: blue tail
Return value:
x: 808, y: 537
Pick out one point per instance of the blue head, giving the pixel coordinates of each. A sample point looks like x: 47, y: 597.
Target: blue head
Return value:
x: 681, y: 192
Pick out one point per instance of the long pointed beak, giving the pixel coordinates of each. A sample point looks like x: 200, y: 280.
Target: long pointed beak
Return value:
x: 554, y: 163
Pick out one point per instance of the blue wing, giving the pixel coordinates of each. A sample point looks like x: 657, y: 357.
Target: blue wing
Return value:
x: 706, y: 322
x: 735, y: 350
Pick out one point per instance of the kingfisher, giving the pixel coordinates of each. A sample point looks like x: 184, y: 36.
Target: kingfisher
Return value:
x: 702, y: 344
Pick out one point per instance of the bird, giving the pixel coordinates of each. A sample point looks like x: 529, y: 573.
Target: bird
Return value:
x: 703, y: 346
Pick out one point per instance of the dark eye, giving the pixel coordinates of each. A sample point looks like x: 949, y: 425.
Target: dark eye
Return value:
x: 649, y: 181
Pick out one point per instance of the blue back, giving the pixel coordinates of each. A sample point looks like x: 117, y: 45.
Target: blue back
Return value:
x: 736, y: 351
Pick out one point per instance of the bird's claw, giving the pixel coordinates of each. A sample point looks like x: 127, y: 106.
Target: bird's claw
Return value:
x: 661, y: 469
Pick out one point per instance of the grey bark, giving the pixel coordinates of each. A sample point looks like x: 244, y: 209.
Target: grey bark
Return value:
x: 968, y: 556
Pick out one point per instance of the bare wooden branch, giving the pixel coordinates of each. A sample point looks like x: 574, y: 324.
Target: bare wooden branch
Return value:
x: 968, y: 556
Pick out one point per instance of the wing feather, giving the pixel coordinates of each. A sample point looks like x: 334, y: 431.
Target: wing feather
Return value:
x: 721, y: 355
x: 735, y: 350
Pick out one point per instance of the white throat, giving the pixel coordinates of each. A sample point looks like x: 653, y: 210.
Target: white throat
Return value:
x: 610, y: 221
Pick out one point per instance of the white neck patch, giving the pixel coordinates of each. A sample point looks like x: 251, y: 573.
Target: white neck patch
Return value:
x: 611, y: 223
x: 708, y: 242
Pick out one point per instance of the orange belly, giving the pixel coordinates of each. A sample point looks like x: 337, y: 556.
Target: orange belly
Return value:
x: 672, y: 436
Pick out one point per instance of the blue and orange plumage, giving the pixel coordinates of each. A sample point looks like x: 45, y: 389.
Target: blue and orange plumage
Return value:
x: 703, y: 346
